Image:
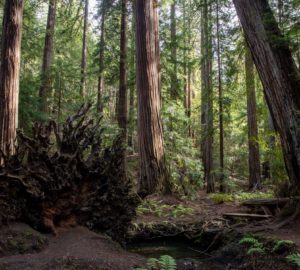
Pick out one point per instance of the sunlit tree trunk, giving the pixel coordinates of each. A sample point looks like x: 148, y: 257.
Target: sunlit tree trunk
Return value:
x: 207, y: 99
x: 254, y: 159
x: 122, y: 105
x: 220, y: 88
x: 45, y: 89
x: 84, y: 50
x: 279, y: 75
x: 174, y: 79
x: 9, y: 74
x: 153, y: 171
x: 131, y: 120
x: 101, y: 59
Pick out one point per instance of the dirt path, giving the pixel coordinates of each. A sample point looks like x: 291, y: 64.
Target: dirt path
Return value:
x: 76, y: 248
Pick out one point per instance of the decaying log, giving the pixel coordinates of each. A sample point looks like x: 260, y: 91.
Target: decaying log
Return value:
x: 275, y: 202
x: 246, y: 215
x: 67, y: 177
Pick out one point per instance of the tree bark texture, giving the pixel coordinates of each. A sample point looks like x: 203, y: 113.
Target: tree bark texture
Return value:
x: 279, y: 75
x: 174, y: 79
x: 45, y: 89
x: 153, y: 172
x: 9, y: 74
x: 220, y: 88
x: 101, y: 59
x: 254, y: 159
x: 123, y: 85
x: 132, y: 84
x: 84, y: 50
x: 207, y: 99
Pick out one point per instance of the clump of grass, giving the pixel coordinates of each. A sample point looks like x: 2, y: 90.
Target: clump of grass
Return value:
x: 160, y: 209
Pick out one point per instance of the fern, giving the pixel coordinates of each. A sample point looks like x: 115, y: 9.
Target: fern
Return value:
x: 282, y: 243
x: 294, y: 258
x: 250, y: 240
x: 255, y: 247
x: 255, y: 250
x: 153, y: 264
x: 164, y: 263
x: 167, y: 263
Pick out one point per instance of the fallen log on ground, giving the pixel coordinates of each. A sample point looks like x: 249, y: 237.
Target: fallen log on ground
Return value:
x: 246, y: 215
x: 67, y: 178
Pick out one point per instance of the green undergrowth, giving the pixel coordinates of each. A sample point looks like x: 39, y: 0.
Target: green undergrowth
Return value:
x: 259, y: 247
x: 165, y: 262
x: 239, y: 196
x: 159, y: 209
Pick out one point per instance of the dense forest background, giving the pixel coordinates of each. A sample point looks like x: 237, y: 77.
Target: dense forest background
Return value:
x: 205, y: 92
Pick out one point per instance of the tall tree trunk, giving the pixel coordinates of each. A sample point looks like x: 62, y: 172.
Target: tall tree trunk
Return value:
x: 220, y: 87
x: 206, y: 98
x: 45, y: 89
x: 122, y: 104
x: 280, y: 12
x: 131, y: 120
x: 254, y: 160
x: 101, y: 59
x: 84, y: 50
x: 279, y: 75
x: 153, y: 171
x: 174, y: 79
x: 9, y: 74
x: 187, y: 65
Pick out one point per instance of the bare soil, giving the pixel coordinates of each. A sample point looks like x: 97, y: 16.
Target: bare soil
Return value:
x: 75, y: 248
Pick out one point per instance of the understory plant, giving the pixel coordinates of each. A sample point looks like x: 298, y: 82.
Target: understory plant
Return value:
x: 165, y: 262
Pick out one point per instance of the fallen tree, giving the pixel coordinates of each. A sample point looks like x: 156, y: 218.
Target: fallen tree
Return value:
x: 67, y: 177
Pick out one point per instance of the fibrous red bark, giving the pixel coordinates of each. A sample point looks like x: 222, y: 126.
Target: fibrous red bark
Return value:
x: 9, y: 74
x: 254, y: 159
x: 279, y: 75
x: 153, y: 171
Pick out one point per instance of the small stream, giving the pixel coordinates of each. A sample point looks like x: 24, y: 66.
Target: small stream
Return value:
x: 188, y: 256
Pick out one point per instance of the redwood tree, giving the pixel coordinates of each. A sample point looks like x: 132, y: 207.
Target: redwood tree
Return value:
x: 9, y: 73
x: 207, y: 97
x: 153, y: 171
x: 279, y: 75
x: 45, y: 88
x: 220, y: 87
x: 84, y: 50
x: 122, y: 99
x: 101, y: 57
x: 254, y: 159
x: 174, y: 79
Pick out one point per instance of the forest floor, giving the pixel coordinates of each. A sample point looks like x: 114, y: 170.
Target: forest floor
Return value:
x: 204, y: 213
x: 159, y: 216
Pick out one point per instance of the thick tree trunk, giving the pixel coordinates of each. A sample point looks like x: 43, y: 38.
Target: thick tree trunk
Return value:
x: 84, y: 50
x: 174, y: 79
x: 279, y: 75
x: 254, y: 159
x: 9, y: 74
x: 101, y: 59
x: 220, y: 87
x: 153, y: 171
x: 207, y: 99
x: 45, y: 89
x: 122, y: 104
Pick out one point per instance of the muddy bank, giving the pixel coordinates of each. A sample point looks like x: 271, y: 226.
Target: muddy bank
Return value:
x: 78, y: 248
x: 73, y: 249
